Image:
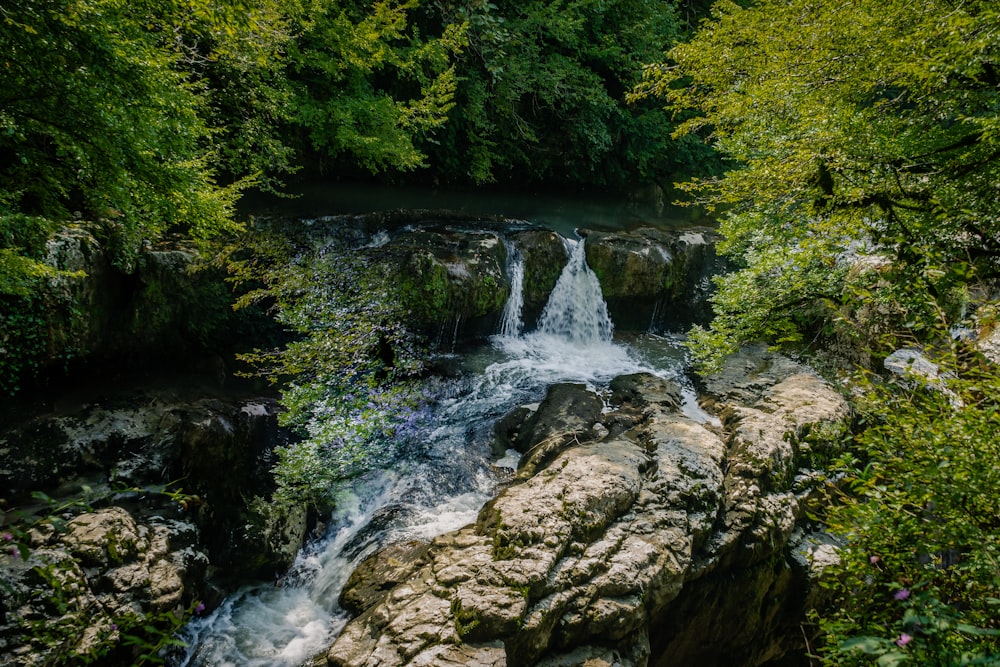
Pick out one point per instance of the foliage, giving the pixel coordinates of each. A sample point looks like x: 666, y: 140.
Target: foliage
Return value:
x: 541, y: 93
x: 98, y: 114
x: 858, y: 130
x: 351, y: 376
x: 369, y: 84
x: 918, y: 579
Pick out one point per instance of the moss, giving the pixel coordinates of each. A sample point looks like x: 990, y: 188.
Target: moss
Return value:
x: 465, y: 621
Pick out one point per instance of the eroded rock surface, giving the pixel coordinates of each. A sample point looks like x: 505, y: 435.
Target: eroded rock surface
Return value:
x: 656, y: 276
x: 605, y: 553
x: 104, y: 571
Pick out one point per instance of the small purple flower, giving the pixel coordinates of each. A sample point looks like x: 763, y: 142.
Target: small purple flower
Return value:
x: 200, y: 608
x: 874, y: 559
x: 7, y: 537
x: 114, y: 627
x: 902, y: 594
x: 903, y: 640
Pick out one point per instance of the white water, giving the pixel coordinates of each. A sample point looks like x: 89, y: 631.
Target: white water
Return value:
x: 441, y: 483
x: 511, y: 322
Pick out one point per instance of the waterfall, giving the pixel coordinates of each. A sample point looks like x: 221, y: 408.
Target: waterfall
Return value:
x: 576, y: 310
x: 445, y: 477
x: 511, y: 323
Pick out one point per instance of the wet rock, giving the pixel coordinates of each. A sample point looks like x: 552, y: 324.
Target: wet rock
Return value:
x: 615, y: 552
x: 371, y: 580
x: 137, y: 448
x: 642, y: 391
x: 654, y: 276
x: 161, y: 305
x: 565, y: 417
x: 453, y: 281
x: 544, y: 258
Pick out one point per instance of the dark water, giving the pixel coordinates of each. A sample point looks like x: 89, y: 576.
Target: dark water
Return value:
x: 562, y: 213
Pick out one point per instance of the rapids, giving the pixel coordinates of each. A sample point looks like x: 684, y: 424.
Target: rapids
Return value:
x: 445, y: 475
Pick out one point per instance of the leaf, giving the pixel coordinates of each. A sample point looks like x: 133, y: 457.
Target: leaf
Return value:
x: 868, y: 645
x: 892, y: 659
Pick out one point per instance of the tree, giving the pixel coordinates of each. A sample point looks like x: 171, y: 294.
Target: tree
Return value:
x: 864, y: 169
x: 369, y: 85
x: 852, y: 130
x: 541, y: 93
x: 102, y: 114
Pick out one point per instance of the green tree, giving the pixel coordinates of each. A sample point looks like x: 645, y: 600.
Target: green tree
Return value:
x: 369, y: 85
x: 99, y: 114
x: 351, y: 376
x: 865, y: 128
x: 861, y: 196
x: 541, y: 93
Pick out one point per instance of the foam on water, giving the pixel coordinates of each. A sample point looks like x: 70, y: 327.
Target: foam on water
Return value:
x: 442, y: 481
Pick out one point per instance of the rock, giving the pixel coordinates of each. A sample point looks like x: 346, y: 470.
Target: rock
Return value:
x: 162, y: 305
x: 371, y: 580
x: 988, y: 343
x: 623, y: 549
x: 643, y: 391
x: 653, y: 276
x: 107, y: 570
x: 451, y: 279
x: 142, y: 443
x: 566, y: 416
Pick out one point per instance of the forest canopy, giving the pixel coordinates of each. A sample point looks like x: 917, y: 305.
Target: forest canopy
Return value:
x: 857, y: 134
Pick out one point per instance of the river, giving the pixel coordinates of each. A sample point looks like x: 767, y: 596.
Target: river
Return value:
x: 445, y: 474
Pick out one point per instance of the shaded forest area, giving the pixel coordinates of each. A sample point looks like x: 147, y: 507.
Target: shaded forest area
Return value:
x: 851, y: 151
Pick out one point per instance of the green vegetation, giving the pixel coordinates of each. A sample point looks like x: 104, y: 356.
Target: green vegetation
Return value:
x: 541, y: 95
x: 351, y: 378
x: 860, y: 206
x: 865, y: 132
x: 918, y: 580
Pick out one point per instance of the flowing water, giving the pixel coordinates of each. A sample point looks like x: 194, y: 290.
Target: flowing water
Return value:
x: 445, y: 476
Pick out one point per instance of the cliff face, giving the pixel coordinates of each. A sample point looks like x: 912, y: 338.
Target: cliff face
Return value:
x: 626, y: 542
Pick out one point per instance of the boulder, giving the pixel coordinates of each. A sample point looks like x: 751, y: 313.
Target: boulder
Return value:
x: 545, y: 256
x: 166, y: 304
x: 453, y: 281
x: 566, y: 416
x: 654, y: 277
x: 105, y: 572
x: 164, y: 454
x: 614, y: 552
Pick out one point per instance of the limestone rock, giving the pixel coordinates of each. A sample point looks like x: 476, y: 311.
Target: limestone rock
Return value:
x: 544, y: 258
x: 622, y: 550
x: 375, y: 576
x: 566, y: 416
x: 654, y: 275
x: 108, y: 568
x: 449, y: 277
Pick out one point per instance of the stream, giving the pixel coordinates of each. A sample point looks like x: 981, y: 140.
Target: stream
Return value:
x: 445, y: 475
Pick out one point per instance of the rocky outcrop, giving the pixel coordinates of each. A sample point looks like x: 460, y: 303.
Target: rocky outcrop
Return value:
x: 608, y: 553
x: 152, y: 450
x: 544, y: 258
x: 653, y: 276
x: 166, y: 305
x: 88, y: 581
x: 452, y: 281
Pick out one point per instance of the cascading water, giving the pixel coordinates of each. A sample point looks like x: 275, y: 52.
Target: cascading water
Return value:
x: 442, y: 480
x: 576, y: 310
x: 510, y: 321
